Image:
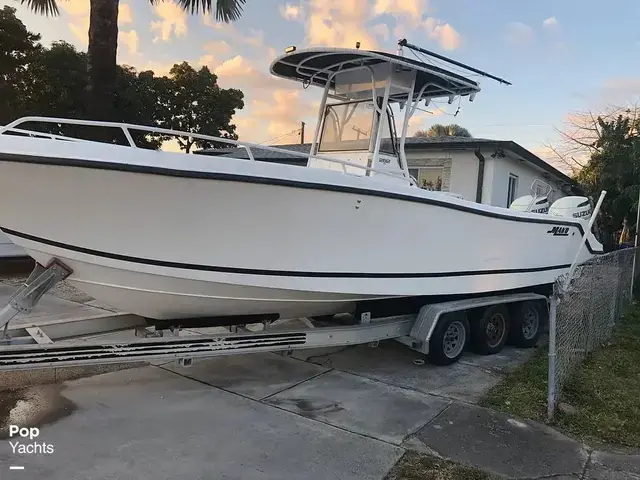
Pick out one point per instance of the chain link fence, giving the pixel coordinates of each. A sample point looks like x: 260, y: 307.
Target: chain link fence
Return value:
x: 583, y: 316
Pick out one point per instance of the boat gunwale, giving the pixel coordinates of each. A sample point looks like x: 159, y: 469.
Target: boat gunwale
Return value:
x: 508, y: 215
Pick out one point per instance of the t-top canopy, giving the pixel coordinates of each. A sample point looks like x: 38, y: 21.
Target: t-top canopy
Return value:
x: 315, y: 65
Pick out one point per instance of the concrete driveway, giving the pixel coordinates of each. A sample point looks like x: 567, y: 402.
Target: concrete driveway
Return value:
x: 332, y: 414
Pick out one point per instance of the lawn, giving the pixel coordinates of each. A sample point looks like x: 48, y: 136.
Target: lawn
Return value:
x: 604, y: 392
x: 419, y: 466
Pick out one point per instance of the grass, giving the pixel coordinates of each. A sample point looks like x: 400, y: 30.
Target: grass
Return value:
x: 418, y: 466
x: 604, y: 390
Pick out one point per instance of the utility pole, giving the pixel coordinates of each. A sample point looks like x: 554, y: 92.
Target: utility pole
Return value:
x: 359, y: 131
x: 302, y: 133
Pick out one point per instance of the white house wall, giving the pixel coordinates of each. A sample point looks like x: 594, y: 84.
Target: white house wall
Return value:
x: 460, y: 174
x: 464, y: 174
x: 526, y: 173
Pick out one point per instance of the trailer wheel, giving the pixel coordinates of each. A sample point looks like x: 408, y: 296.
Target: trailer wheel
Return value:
x: 449, y: 339
x: 490, y: 331
x: 526, y: 322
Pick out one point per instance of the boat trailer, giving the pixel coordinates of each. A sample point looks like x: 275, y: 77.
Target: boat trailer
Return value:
x: 440, y: 331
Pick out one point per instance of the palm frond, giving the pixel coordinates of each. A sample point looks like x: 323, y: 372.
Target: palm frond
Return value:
x: 226, y: 10
x: 42, y: 7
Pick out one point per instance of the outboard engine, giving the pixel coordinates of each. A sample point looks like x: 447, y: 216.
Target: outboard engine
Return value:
x: 524, y: 204
x: 572, y: 207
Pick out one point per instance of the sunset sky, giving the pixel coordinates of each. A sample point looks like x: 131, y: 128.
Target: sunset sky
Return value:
x: 561, y: 57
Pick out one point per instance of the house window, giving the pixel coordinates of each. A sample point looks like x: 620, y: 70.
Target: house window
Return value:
x: 512, y: 191
x: 429, y: 178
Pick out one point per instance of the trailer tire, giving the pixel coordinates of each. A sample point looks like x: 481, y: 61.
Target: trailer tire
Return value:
x: 490, y: 331
x: 527, y: 319
x: 449, y: 339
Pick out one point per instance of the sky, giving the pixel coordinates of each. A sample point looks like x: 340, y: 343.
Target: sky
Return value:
x: 562, y: 57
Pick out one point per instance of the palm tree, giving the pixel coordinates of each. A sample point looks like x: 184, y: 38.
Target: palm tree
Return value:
x: 103, y: 42
x: 439, y: 130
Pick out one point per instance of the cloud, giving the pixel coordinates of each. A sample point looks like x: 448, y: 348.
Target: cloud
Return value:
x: 80, y: 28
x: 75, y: 7
x: 410, y: 11
x: 238, y: 72
x: 251, y: 36
x: 130, y: 40
x: 284, y: 111
x: 159, y: 68
x: 215, y: 50
x: 124, y: 14
x: 549, y: 156
x: 339, y: 23
x: 619, y: 91
x: 550, y: 22
x: 219, y: 47
x: 415, y: 123
x: 78, y: 12
x: 381, y: 30
x: 291, y: 12
x: 519, y: 34
x: 443, y: 33
x: 342, y: 23
x: 173, y: 22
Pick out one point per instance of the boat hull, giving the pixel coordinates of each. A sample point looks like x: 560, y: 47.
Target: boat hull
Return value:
x: 150, y: 235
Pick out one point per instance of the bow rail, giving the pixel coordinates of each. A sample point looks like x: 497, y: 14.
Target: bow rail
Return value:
x: 126, y: 127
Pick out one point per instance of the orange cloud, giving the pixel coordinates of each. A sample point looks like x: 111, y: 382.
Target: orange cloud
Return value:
x: 173, y: 22
x: 339, y: 23
x: 291, y: 12
x: 410, y: 11
x: 443, y: 33
x: 130, y: 40
x: 124, y: 14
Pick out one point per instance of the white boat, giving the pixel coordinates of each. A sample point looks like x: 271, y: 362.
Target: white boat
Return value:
x: 168, y: 235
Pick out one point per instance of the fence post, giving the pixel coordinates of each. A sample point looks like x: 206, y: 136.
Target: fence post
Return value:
x: 551, y: 379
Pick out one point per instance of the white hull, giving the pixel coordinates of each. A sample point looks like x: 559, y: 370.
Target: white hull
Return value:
x: 8, y: 249
x: 232, y: 237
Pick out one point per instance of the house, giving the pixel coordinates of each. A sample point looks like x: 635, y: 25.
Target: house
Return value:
x: 493, y: 172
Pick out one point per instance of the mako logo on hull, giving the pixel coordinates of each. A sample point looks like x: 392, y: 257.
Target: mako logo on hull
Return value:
x: 559, y: 231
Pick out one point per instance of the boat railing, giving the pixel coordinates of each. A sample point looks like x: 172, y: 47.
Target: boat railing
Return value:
x: 126, y: 127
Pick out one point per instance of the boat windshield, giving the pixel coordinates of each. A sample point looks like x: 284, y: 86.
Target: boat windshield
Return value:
x: 347, y: 126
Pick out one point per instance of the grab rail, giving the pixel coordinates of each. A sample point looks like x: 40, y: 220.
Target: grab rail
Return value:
x: 125, y: 127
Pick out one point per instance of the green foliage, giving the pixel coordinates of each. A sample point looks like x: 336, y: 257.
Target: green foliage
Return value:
x: 40, y: 81
x: 439, y: 130
x: 615, y: 167
x: 102, y: 70
x: 196, y: 104
x: 18, y: 47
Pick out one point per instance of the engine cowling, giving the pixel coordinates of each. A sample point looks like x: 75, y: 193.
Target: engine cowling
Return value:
x: 572, y: 207
x: 541, y: 205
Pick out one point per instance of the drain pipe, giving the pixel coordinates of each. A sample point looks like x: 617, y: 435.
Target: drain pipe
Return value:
x: 480, y: 182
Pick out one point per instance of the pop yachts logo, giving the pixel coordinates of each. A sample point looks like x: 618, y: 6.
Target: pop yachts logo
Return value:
x: 30, y: 447
x: 559, y: 231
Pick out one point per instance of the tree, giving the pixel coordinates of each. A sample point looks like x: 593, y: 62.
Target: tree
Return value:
x: 614, y: 166
x: 579, y: 136
x: 52, y: 82
x: 439, y: 130
x: 103, y: 44
x: 18, y: 47
x: 196, y: 104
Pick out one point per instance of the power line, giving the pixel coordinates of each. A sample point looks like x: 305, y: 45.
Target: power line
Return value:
x: 280, y: 137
